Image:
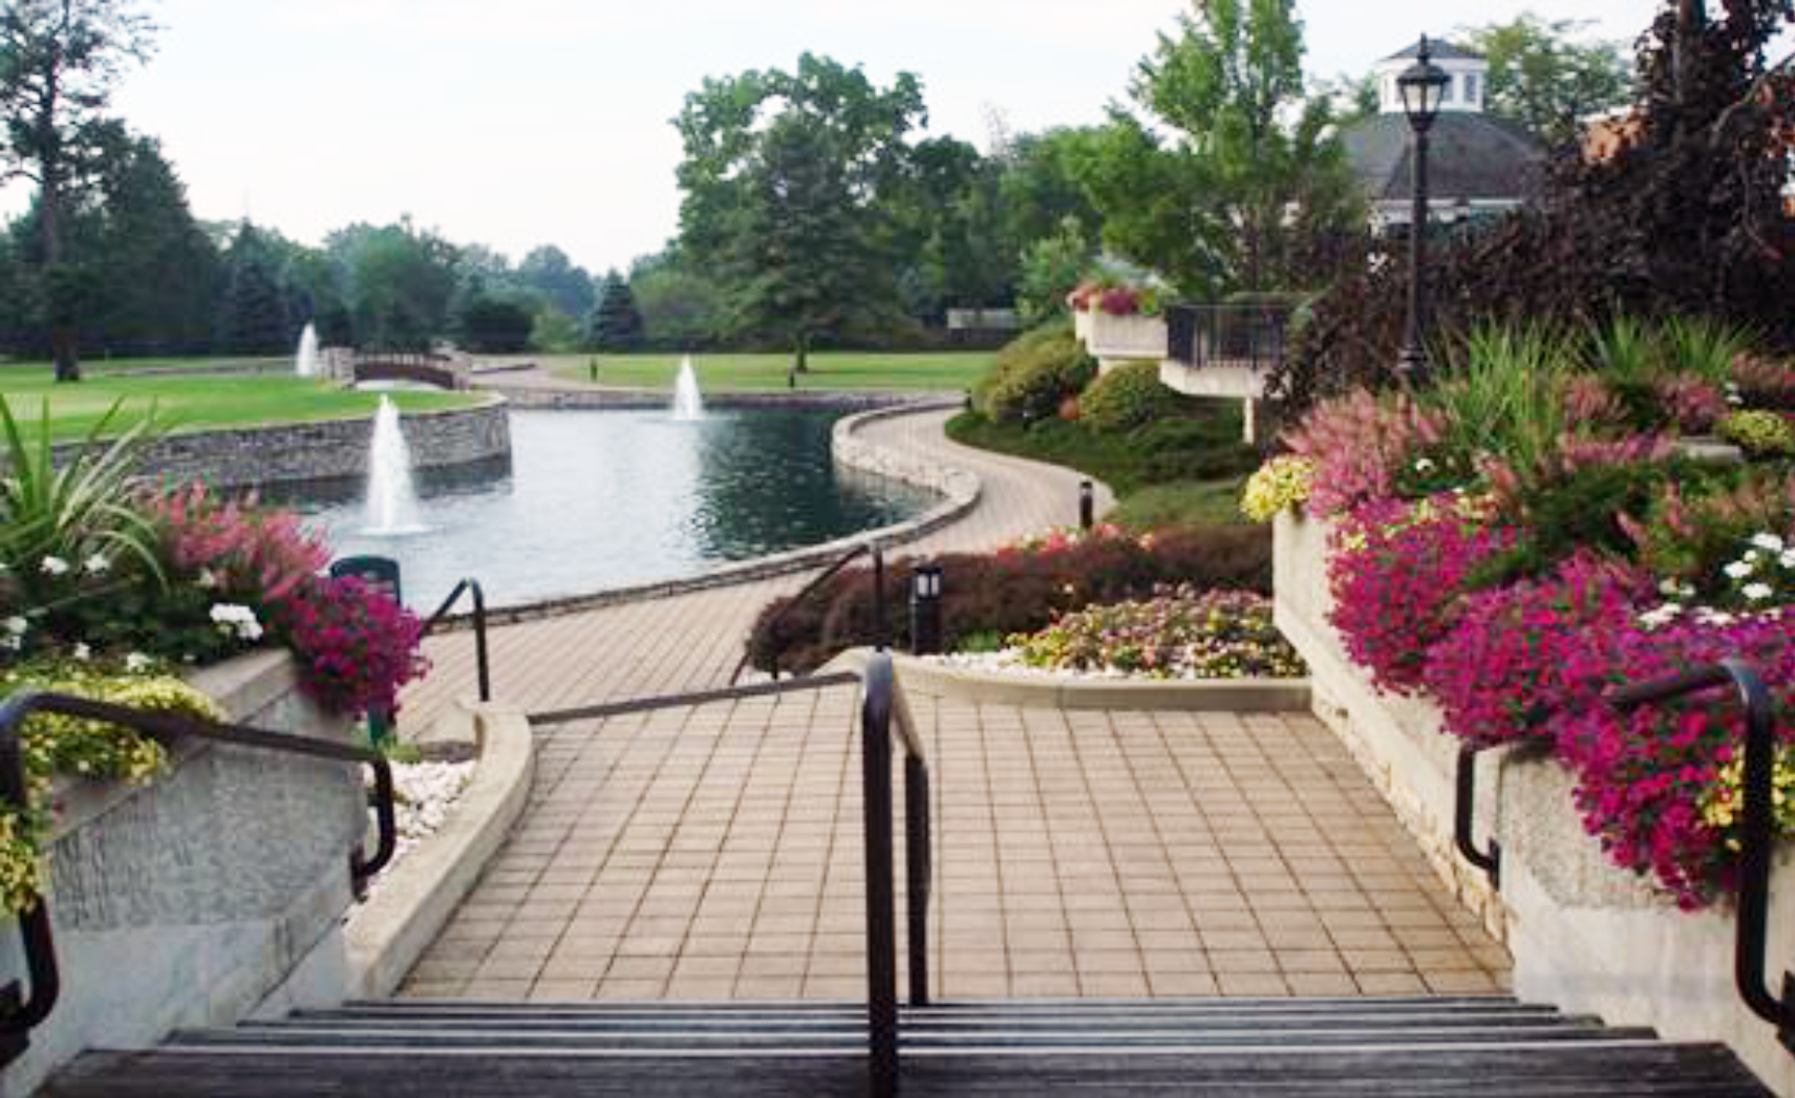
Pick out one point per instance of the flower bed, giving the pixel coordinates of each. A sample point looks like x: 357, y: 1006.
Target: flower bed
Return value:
x: 1519, y: 540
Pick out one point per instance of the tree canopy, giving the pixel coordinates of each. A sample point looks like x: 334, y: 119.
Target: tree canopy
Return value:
x: 1542, y: 77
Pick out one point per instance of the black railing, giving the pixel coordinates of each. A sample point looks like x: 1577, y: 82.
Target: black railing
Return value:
x: 883, y: 704
x: 1464, y: 807
x: 881, y: 624
x: 1247, y: 335
x: 1757, y: 839
x: 471, y: 587
x: 34, y: 924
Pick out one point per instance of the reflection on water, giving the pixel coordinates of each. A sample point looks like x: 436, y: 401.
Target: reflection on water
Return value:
x: 598, y: 499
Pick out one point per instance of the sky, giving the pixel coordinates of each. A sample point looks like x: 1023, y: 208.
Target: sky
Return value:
x: 514, y: 123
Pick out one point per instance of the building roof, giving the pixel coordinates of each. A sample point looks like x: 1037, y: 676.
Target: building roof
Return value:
x: 1472, y: 155
x: 1437, y: 50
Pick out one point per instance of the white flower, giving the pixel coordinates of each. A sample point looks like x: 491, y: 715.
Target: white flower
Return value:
x: 96, y: 565
x: 1423, y: 465
x: 1738, y: 570
x: 1663, y: 615
x: 1750, y: 557
x: 136, y: 663
x: 1756, y: 592
x: 1768, y: 541
x: 1787, y: 560
x: 16, y: 625
x: 208, y: 579
x: 1667, y: 587
x: 232, y: 618
x: 54, y: 566
x: 1709, y: 616
x: 12, y: 642
x: 82, y: 651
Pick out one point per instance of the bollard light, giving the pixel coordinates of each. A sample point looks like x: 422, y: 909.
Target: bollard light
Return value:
x: 925, y: 609
x: 1087, y: 505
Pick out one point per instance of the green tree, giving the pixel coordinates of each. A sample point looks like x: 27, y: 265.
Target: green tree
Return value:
x: 1542, y: 78
x: 1251, y: 172
x: 495, y: 325
x: 681, y: 309
x: 400, y: 282
x: 786, y: 180
x: 616, y: 322
x: 1040, y: 185
x: 253, y: 319
x: 548, y: 273
x: 1051, y: 268
x: 161, y: 274
x: 554, y: 332
x: 59, y: 63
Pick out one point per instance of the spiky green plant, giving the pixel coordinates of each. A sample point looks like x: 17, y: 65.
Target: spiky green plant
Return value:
x: 1628, y: 351
x: 75, y: 514
x: 1704, y: 347
x: 1502, y: 394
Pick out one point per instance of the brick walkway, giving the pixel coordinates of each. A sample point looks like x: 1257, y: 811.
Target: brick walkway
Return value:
x: 714, y: 851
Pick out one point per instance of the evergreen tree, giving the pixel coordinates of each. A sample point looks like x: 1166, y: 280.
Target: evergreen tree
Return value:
x: 160, y: 279
x: 616, y: 324
x: 253, y: 318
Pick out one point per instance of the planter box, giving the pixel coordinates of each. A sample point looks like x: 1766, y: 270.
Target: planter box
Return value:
x: 192, y: 900
x: 1585, y: 934
x: 1113, y: 340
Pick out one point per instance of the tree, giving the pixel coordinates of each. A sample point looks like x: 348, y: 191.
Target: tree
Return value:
x: 59, y: 63
x: 785, y: 182
x: 554, y: 332
x: 161, y: 276
x: 400, y: 281
x: 253, y: 319
x: 681, y: 309
x: 1543, y: 79
x: 494, y: 325
x: 548, y: 273
x: 616, y: 323
x: 1051, y: 268
x: 1252, y: 172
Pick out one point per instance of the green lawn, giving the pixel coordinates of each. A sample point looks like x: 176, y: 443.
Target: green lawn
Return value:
x: 950, y: 371
x: 94, y: 367
x: 190, y: 401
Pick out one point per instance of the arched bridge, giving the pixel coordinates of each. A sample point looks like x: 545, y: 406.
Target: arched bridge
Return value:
x: 424, y: 367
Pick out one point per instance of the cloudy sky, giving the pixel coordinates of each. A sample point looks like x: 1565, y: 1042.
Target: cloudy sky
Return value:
x: 519, y: 122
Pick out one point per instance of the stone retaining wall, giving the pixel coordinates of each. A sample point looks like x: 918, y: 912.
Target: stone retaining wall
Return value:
x: 247, y: 457
x: 529, y: 396
x: 1586, y: 935
x: 218, y: 887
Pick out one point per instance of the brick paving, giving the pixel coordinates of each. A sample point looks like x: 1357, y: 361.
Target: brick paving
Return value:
x: 714, y: 852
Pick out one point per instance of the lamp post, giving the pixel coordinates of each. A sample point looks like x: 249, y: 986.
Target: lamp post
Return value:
x: 1422, y: 86
x: 925, y: 609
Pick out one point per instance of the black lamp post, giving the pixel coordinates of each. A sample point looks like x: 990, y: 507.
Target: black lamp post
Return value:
x: 1422, y: 87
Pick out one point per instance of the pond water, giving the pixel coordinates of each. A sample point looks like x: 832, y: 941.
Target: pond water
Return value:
x: 598, y: 499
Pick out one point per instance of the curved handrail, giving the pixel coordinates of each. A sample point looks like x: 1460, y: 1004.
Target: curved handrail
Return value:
x: 34, y: 924
x: 1464, y: 808
x: 481, y: 666
x: 1758, y: 831
x: 883, y: 703
x: 817, y: 581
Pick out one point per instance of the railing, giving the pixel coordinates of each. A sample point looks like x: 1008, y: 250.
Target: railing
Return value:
x: 34, y: 924
x: 881, y: 624
x: 1464, y: 807
x: 883, y: 704
x: 1247, y: 335
x: 472, y: 587
x: 1758, y: 827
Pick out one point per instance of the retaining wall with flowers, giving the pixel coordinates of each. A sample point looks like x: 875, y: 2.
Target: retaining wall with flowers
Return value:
x: 1585, y: 935
x: 215, y: 889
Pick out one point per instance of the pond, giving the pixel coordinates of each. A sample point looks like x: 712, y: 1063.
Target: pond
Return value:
x: 599, y: 499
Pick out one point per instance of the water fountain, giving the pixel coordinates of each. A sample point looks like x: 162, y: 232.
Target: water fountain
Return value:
x: 688, y: 404
x: 392, y: 506
x: 305, y: 360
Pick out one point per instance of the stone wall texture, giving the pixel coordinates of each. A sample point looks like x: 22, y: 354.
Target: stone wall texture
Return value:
x: 189, y: 901
x: 1586, y: 935
x: 247, y: 457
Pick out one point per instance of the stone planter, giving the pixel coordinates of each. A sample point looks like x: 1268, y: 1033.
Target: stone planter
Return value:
x: 190, y: 901
x: 1081, y: 323
x: 1585, y: 934
x: 1113, y: 340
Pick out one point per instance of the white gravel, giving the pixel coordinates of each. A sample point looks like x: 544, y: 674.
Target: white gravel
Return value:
x: 426, y: 793
x: 1008, y: 661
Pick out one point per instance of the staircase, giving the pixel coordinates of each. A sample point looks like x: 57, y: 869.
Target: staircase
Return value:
x: 1411, y: 1047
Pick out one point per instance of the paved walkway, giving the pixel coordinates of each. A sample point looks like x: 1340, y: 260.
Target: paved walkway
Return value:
x: 692, y: 642
x: 714, y: 852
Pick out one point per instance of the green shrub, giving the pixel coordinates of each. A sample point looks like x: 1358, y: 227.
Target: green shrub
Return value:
x: 1127, y: 397
x: 1206, y: 447
x: 1033, y: 375
x: 1760, y: 434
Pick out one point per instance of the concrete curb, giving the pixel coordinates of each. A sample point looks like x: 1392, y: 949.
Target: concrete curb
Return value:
x: 412, y: 903
x: 961, y: 487
x: 1030, y: 691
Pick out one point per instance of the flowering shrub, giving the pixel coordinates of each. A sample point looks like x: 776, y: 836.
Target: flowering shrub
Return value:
x: 1396, y: 573
x: 1359, y: 444
x: 1520, y: 655
x: 1692, y: 403
x: 357, y: 646
x: 1284, y: 481
x: 1113, y: 299
x: 236, y: 548
x: 1760, y: 433
x: 1184, y: 634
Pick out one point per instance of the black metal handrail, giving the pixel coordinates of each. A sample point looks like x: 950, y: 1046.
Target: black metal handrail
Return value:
x: 1758, y: 827
x: 880, y: 622
x: 884, y: 702
x: 1250, y: 334
x: 1464, y: 807
x: 481, y: 666
x: 34, y: 924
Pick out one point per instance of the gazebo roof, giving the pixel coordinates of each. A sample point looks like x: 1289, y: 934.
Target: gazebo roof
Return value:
x: 1438, y: 50
x: 1473, y: 156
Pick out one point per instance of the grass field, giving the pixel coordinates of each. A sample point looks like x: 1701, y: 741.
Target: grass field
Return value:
x: 94, y: 367
x: 190, y: 401
x: 946, y: 371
